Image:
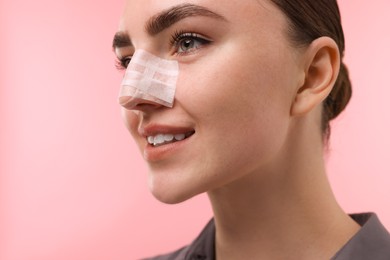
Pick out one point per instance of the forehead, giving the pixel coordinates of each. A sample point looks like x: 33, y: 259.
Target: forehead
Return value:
x: 245, y: 12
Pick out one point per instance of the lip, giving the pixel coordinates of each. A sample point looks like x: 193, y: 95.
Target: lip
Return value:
x: 152, y: 130
x: 158, y: 153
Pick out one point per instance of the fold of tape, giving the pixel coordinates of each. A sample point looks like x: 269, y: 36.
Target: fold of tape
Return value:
x: 150, y: 80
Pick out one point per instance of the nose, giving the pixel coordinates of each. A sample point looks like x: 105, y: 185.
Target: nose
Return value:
x: 134, y: 103
x: 149, y: 82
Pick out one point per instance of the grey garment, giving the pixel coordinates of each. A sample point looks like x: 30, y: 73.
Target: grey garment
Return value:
x: 371, y: 242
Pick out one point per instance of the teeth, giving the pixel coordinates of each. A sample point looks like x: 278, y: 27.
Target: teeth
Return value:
x: 180, y: 137
x: 159, y: 139
x: 165, y: 138
x: 168, y: 138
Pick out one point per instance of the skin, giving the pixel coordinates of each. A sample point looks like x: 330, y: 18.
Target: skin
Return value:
x: 254, y: 101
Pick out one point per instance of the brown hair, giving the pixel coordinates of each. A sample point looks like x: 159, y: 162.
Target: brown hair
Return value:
x: 309, y: 20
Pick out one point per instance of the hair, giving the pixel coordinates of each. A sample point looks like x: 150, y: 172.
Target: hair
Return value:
x: 312, y: 19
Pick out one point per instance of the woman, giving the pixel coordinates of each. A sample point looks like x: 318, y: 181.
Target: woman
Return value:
x: 257, y: 83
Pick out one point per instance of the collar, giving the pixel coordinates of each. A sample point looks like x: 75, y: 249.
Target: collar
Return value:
x: 372, y: 241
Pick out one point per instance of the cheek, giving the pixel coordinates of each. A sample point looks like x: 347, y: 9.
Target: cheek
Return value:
x: 244, y: 85
x: 241, y: 107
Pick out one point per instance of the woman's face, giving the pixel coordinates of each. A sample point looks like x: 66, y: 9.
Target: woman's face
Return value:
x: 238, y: 78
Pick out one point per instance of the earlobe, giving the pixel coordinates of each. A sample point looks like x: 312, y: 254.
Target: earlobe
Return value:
x: 321, y: 68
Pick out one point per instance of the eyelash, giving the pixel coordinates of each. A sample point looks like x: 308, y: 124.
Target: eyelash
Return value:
x: 177, y: 38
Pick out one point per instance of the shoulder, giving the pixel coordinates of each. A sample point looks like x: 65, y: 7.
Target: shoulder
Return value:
x: 201, y: 248
x: 176, y: 255
x: 372, y: 241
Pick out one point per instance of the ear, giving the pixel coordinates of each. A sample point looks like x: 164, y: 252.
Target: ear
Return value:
x: 321, y: 68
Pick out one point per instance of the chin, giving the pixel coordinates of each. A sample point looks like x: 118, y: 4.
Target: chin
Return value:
x: 170, y: 193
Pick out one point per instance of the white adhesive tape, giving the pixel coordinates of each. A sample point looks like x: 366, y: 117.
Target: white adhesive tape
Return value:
x: 149, y: 79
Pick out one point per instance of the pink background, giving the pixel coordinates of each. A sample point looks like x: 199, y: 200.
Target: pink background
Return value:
x: 72, y: 183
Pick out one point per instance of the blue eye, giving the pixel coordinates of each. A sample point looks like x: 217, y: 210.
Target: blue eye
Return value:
x: 185, y: 43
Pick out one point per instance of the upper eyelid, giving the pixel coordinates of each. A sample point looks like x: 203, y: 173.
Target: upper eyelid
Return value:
x: 179, y: 35
x: 124, y: 54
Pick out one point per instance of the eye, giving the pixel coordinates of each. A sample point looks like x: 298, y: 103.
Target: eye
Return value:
x: 122, y: 63
x: 184, y: 43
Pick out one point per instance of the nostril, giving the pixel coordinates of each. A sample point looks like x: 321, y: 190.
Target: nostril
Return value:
x: 133, y: 103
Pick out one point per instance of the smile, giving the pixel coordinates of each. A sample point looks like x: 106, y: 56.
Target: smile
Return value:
x: 163, y: 139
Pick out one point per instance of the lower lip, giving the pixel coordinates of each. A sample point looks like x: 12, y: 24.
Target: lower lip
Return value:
x: 153, y: 154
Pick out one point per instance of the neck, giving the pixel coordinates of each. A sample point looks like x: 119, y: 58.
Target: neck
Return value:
x: 286, y: 210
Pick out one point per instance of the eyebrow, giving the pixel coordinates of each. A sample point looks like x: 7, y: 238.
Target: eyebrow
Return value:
x: 121, y: 39
x: 165, y: 19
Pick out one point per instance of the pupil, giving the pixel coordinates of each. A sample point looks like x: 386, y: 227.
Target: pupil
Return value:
x: 187, y: 44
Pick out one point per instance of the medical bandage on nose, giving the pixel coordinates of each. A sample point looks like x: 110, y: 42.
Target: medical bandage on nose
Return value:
x: 149, y: 79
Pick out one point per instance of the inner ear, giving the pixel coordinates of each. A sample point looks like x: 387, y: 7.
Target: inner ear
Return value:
x: 320, y: 71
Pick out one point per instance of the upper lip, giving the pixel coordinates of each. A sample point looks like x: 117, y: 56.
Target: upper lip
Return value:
x: 154, y: 129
